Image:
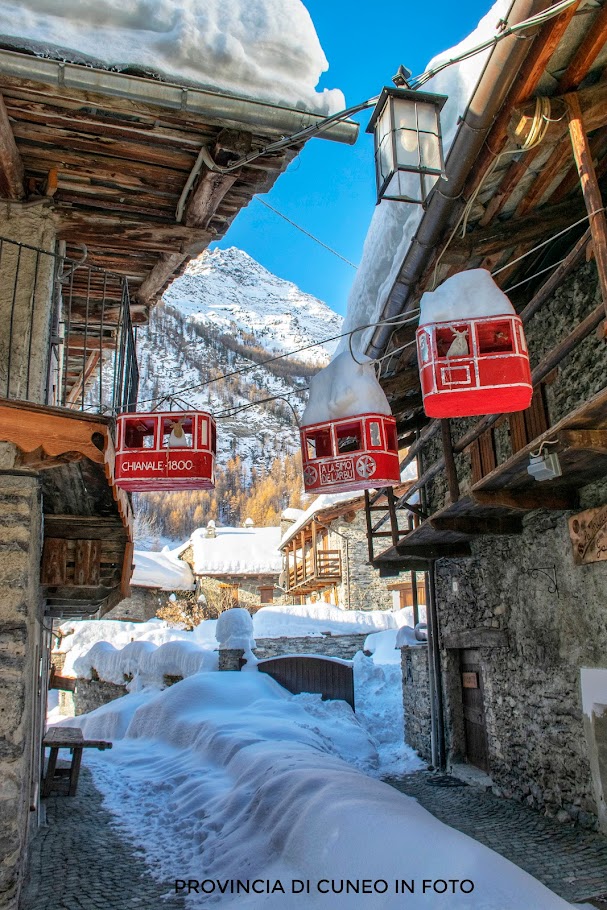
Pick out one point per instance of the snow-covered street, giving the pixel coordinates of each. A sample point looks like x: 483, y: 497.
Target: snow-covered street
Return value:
x: 233, y: 788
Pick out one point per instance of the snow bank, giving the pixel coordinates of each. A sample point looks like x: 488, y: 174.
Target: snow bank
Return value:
x: 345, y: 388
x: 382, y: 645
x: 467, y: 295
x: 142, y: 663
x: 235, y: 629
x: 225, y: 776
x: 263, y: 49
x: 314, y: 619
x: 162, y: 570
x: 394, y: 224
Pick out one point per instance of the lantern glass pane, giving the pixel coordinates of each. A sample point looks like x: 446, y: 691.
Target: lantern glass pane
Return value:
x: 405, y: 185
x: 407, y: 150
x: 404, y: 114
x: 428, y: 181
x: 427, y: 118
x: 429, y: 151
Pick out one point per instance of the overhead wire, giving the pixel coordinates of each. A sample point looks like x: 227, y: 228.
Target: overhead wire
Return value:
x: 304, y: 231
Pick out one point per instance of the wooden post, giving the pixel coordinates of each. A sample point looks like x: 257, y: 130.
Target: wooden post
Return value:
x: 449, y: 460
x: 590, y: 189
x: 314, y: 554
x: 369, y: 526
x: 414, y: 598
x: 393, y: 515
x: 287, y: 568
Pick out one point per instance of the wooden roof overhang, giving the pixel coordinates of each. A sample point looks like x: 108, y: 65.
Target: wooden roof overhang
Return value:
x: 518, y: 203
x: 116, y: 157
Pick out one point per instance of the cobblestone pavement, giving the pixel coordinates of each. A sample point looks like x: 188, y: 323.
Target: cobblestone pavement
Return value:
x: 80, y: 862
x: 567, y: 859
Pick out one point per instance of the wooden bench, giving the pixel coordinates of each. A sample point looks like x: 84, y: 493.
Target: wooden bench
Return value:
x: 67, y: 738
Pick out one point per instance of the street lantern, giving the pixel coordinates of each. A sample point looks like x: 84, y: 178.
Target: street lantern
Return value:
x: 408, y: 144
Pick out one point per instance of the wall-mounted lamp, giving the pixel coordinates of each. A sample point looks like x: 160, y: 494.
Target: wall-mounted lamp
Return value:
x: 544, y: 466
x: 408, y: 143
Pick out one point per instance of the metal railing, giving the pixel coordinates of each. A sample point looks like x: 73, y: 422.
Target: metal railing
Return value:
x: 68, y: 338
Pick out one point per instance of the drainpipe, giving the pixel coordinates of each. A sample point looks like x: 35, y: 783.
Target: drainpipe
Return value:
x: 437, y: 721
x: 491, y: 91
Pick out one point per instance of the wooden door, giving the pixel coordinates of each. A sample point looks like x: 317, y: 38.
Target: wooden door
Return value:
x: 474, y: 709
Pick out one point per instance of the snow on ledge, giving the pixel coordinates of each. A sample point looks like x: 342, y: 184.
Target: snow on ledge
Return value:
x: 262, y: 49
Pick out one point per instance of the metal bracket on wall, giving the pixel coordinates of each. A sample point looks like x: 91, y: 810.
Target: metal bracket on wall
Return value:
x: 550, y: 573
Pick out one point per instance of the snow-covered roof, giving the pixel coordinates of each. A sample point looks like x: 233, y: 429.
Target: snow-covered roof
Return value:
x: 162, y: 570
x: 261, y: 49
x: 237, y: 551
x: 322, y: 502
x: 291, y: 514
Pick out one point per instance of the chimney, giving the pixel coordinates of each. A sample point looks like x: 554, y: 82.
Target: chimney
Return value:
x: 211, y: 532
x: 249, y: 523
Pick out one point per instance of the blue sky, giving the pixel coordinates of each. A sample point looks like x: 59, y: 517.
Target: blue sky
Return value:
x: 330, y: 188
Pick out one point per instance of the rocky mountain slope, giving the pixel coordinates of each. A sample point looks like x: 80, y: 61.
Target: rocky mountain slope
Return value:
x: 226, y: 314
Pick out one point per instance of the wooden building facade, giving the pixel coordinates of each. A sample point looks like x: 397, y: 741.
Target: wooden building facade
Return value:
x: 518, y: 577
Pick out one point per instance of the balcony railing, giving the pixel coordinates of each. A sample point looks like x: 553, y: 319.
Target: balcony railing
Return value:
x: 68, y: 339
x: 303, y: 573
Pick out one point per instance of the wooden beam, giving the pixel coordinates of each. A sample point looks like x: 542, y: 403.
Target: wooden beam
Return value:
x: 590, y: 188
x: 472, y: 524
x: 450, y: 467
x: 115, y: 233
x: 592, y: 102
x: 587, y: 52
x: 206, y: 198
x: 526, y: 501
x: 155, y: 282
x: 590, y: 440
x: 435, y: 551
x: 11, y: 165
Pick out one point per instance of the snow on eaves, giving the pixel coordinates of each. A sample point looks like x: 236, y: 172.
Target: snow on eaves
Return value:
x: 394, y: 224
x: 267, y: 50
x: 162, y: 570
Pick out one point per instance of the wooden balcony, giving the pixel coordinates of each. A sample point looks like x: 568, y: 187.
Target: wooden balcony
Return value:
x: 318, y: 569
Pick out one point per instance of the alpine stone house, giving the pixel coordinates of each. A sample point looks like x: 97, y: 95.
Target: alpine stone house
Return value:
x: 104, y: 198
x: 517, y: 564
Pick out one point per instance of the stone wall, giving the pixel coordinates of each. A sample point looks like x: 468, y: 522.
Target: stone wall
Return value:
x: 416, y: 699
x: 143, y: 604
x: 23, y: 670
x: 361, y: 587
x: 344, y: 646
x: 90, y: 694
x: 535, y: 619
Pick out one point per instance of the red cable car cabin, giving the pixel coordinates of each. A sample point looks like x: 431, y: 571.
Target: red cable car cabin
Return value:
x: 354, y: 453
x: 166, y: 450
x: 474, y: 366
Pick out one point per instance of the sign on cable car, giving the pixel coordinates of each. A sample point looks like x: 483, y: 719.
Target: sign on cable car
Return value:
x: 471, y: 348
x: 348, y: 436
x: 165, y: 450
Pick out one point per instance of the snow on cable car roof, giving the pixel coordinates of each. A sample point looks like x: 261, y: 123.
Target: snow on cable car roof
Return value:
x: 237, y: 551
x: 466, y: 295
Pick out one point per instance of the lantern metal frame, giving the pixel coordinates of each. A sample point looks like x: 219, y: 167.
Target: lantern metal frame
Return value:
x: 388, y: 99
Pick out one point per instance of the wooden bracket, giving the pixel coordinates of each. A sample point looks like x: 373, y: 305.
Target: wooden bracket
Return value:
x: 526, y: 501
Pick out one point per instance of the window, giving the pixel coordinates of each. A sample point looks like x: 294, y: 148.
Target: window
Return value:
x: 494, y: 337
x: 213, y: 439
x: 391, y: 439
x: 139, y: 434
x: 177, y: 433
x: 453, y: 340
x: 266, y: 594
x: 374, y: 433
x: 318, y: 443
x: 349, y: 437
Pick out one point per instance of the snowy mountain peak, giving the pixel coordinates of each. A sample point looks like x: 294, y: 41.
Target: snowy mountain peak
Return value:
x: 217, y: 325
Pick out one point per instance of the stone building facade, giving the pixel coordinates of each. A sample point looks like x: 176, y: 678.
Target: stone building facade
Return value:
x: 361, y: 586
x: 519, y: 618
